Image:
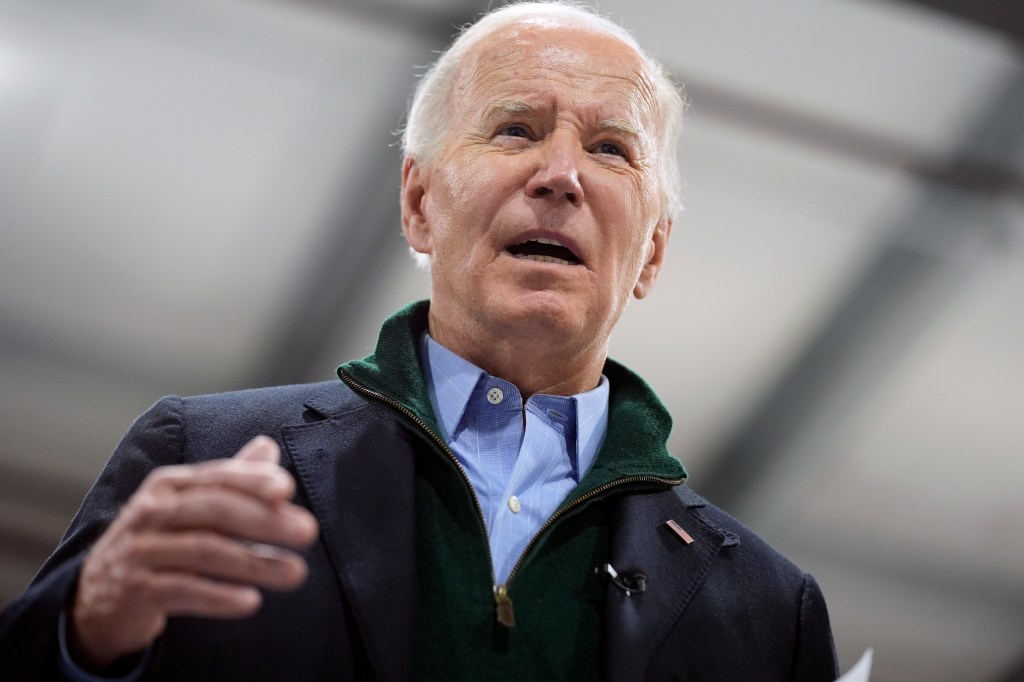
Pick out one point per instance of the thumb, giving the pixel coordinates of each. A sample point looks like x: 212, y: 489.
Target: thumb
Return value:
x: 260, y: 449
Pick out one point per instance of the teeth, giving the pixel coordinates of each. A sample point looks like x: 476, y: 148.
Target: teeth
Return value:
x: 543, y: 240
x: 544, y: 259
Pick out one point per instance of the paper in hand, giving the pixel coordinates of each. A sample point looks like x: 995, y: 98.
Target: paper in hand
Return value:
x: 861, y: 669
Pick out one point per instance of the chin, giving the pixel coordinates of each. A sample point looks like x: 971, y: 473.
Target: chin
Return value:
x: 546, y: 314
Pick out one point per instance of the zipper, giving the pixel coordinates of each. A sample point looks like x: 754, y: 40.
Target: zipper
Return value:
x: 501, y: 591
x: 503, y: 602
x: 351, y: 382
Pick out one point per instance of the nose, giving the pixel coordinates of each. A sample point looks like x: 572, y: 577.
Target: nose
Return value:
x: 557, y: 173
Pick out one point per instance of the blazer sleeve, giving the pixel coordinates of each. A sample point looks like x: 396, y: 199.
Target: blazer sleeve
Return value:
x: 815, y: 657
x: 29, y: 646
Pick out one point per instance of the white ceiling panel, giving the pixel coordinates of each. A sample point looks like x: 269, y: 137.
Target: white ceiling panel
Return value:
x: 64, y: 420
x: 188, y: 155
x: 942, y: 444
x: 904, y: 73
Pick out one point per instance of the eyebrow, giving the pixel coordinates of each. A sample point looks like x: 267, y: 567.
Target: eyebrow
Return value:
x: 621, y: 125
x: 516, y: 107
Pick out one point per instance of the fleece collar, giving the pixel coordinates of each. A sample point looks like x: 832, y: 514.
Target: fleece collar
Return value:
x: 638, y: 423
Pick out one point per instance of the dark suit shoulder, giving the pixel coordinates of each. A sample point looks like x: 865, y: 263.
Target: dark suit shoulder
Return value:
x: 754, y: 547
x: 264, y: 401
x: 217, y: 424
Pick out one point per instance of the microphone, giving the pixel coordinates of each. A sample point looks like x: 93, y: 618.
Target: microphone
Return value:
x: 633, y: 582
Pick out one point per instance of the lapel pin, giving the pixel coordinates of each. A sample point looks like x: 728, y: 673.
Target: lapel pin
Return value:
x: 678, y: 530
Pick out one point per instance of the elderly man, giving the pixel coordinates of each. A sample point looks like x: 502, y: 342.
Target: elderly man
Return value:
x: 487, y: 496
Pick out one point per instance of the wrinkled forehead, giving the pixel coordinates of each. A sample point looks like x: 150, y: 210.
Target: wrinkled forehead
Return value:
x: 530, y: 57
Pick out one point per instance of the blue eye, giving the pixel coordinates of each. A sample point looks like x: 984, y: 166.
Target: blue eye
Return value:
x: 611, y: 148
x: 515, y: 131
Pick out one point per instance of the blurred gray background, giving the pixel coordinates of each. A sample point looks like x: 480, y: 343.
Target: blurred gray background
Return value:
x: 201, y: 195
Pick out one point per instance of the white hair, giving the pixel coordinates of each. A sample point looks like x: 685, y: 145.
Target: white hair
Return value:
x: 426, y: 128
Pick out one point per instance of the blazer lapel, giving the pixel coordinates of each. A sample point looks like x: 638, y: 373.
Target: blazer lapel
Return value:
x: 357, y: 471
x: 641, y: 542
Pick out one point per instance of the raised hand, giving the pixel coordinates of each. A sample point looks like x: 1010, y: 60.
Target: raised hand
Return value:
x: 194, y: 540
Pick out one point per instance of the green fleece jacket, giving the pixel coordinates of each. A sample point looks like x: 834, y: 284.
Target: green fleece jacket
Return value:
x: 545, y: 622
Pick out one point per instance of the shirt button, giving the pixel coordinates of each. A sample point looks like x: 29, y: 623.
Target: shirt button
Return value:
x: 513, y: 504
x: 495, y: 396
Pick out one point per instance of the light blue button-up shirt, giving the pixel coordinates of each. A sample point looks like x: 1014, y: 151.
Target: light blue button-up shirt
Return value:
x: 521, y: 472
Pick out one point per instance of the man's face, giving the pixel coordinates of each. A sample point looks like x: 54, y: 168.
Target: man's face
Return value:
x: 542, y: 212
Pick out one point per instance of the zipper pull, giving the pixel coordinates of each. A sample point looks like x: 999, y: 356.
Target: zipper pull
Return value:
x: 506, y: 614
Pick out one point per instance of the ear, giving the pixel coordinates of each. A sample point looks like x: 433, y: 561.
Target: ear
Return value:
x: 655, y: 257
x: 414, y: 192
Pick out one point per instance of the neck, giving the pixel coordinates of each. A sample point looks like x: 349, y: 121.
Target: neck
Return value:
x: 530, y: 361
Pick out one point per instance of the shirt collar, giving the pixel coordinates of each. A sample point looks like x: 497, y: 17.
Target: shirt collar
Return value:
x: 452, y: 381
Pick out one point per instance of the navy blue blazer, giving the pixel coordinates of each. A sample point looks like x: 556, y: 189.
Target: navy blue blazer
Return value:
x: 725, y: 607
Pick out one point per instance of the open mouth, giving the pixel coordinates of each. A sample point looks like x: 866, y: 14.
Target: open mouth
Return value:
x: 544, y: 251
